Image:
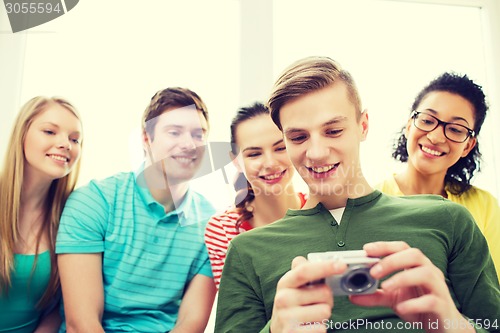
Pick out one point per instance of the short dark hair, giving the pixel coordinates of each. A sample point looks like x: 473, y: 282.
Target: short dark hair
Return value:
x: 459, y: 175
x: 167, y: 99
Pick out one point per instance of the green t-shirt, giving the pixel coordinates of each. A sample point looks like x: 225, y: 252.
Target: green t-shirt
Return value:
x: 444, y: 231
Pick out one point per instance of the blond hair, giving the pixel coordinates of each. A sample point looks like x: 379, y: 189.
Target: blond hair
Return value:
x: 308, y: 75
x: 11, y: 182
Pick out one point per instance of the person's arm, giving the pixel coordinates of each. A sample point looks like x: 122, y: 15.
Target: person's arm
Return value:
x: 82, y: 289
x: 50, y: 323
x: 417, y: 292
x: 217, y: 242
x: 297, y: 303
x: 241, y: 307
x: 492, y: 230
x: 196, y: 305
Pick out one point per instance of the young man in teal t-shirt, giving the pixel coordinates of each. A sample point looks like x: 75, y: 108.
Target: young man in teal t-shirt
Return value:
x: 130, y: 247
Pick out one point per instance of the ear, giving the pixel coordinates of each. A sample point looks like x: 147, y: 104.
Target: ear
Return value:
x: 471, y: 143
x: 236, y: 161
x: 146, y: 144
x: 363, y: 122
x: 408, y: 126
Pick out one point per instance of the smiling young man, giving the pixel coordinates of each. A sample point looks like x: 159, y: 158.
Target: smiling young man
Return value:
x: 130, y: 247
x: 435, y: 266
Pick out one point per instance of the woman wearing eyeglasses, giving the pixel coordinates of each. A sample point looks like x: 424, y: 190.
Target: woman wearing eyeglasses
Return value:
x: 440, y: 145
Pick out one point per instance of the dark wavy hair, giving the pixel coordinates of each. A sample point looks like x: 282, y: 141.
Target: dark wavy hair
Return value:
x: 244, y: 192
x: 459, y: 175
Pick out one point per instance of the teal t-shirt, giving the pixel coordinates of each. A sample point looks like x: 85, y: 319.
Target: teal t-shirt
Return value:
x: 18, y: 312
x: 148, y: 257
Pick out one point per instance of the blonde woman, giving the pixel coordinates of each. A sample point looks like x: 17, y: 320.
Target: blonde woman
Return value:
x: 40, y: 170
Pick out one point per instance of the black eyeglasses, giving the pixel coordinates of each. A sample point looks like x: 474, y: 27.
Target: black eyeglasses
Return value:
x: 428, y: 123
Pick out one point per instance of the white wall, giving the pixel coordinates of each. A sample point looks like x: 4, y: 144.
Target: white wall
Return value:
x: 109, y: 57
x: 392, y: 49
x: 12, y: 52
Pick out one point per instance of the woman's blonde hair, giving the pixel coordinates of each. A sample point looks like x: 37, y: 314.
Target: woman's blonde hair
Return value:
x: 11, y: 182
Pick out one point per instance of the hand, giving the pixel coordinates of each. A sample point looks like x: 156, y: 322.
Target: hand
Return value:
x: 417, y: 293
x: 297, y: 303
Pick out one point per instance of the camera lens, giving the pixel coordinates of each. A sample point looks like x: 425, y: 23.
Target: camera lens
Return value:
x: 357, y: 280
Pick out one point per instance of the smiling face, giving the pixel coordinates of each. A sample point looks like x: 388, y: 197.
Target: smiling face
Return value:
x: 52, y: 143
x: 178, y: 143
x: 263, y: 156
x: 431, y: 152
x: 322, y: 136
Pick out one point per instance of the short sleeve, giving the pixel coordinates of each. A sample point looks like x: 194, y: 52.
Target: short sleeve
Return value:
x: 83, y: 222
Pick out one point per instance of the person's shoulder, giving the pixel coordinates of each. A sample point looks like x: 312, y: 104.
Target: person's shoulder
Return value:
x: 117, y: 179
x: 200, y: 200
x: 223, y: 225
x: 413, y: 198
x: 270, y: 232
x: 228, y: 217
x: 429, y: 209
x: 423, y: 202
x: 389, y: 185
x: 476, y: 193
x: 105, y: 187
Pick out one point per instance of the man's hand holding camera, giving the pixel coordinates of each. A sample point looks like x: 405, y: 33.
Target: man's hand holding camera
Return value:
x: 416, y: 293
x: 298, y: 300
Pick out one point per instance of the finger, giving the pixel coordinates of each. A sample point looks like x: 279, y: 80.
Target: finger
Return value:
x: 379, y: 298
x: 315, y: 294
x: 297, y: 319
x: 418, y: 305
x: 316, y: 313
x: 297, y: 261
x: 430, y: 278
x: 316, y: 327
x: 405, y: 259
x: 310, y: 272
x: 381, y: 249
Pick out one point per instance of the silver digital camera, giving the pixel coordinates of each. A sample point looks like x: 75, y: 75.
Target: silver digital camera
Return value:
x: 356, y: 279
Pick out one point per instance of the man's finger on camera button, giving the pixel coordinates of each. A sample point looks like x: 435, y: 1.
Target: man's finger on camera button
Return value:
x: 409, y: 258
x: 423, y: 276
x: 380, y: 249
